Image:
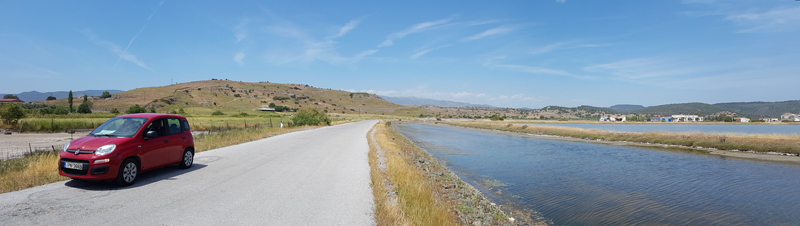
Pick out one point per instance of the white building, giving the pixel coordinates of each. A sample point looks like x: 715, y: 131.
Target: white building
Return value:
x: 741, y: 119
x: 790, y: 117
x: 687, y: 118
x: 770, y: 119
x: 613, y: 118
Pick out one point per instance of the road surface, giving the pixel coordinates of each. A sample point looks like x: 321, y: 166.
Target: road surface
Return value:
x: 312, y: 177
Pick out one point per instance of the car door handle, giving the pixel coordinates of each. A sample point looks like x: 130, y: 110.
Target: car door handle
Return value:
x: 165, y: 140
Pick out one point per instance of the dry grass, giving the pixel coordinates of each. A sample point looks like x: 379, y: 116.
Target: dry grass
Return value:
x: 783, y: 143
x: 33, y: 170
x: 415, y: 193
x: 205, y: 142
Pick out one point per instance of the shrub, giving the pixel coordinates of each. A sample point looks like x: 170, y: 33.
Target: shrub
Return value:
x: 310, y: 116
x: 136, y: 109
x: 105, y: 95
x: 51, y: 98
x: 173, y: 112
x: 152, y: 110
x: 114, y: 111
x: 85, y: 107
x: 180, y: 111
x: 11, y: 113
x: 218, y: 112
x: 237, y: 95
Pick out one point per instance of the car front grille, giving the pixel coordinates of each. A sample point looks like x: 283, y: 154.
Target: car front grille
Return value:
x: 80, y: 151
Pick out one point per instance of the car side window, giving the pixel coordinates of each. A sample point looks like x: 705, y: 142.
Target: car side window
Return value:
x: 185, y: 125
x: 158, y: 126
x: 174, y: 126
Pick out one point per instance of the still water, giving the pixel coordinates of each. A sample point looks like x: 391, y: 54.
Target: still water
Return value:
x: 702, y: 128
x: 581, y: 183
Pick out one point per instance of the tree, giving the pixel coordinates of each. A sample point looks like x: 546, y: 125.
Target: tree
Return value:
x: 152, y: 110
x: 10, y: 96
x: 69, y: 100
x: 105, y: 95
x: 85, y: 98
x: 51, y: 98
x: 135, y: 109
x: 272, y: 105
x: 310, y: 116
x: 180, y: 111
x: 85, y: 107
x: 11, y: 113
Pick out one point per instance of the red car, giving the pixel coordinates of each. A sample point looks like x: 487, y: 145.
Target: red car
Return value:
x: 125, y: 146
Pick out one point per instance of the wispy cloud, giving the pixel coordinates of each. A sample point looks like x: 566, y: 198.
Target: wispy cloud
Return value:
x: 490, y: 32
x: 775, y: 20
x: 532, y: 70
x: 561, y: 1
x: 424, y: 50
x: 240, y: 31
x: 420, y: 27
x: 565, y: 45
x: 140, y: 31
x: 239, y: 58
x: 347, y: 27
x: 312, y: 48
x: 116, y: 49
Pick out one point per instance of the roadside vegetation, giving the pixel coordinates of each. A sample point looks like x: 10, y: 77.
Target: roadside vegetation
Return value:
x: 410, y: 187
x: 743, y: 142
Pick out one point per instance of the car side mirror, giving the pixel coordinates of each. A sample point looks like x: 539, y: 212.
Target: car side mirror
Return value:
x: 150, y: 134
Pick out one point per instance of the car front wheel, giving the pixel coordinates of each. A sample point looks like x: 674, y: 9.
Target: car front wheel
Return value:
x: 128, y: 171
x: 187, y: 160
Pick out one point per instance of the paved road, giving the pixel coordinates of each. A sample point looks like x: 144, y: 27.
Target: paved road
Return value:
x: 313, y: 177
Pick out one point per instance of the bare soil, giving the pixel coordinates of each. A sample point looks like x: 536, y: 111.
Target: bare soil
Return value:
x: 16, y: 145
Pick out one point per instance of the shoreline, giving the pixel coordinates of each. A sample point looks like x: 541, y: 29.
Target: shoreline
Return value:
x: 770, y: 157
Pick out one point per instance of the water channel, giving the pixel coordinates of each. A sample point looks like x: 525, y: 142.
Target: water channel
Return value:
x: 684, y: 127
x: 584, y: 183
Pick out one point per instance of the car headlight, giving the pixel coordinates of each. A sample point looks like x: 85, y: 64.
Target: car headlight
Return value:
x: 105, y: 149
x: 65, y: 147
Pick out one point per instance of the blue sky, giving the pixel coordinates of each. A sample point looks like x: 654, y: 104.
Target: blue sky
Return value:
x: 502, y: 53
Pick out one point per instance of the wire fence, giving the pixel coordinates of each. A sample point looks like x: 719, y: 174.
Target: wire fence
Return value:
x: 7, y: 153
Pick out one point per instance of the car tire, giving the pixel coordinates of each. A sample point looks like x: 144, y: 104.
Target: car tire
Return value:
x: 128, y: 171
x: 187, y: 160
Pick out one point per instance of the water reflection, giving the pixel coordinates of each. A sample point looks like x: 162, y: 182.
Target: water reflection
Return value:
x: 580, y: 183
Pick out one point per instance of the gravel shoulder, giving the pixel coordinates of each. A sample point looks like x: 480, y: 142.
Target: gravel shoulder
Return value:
x: 312, y: 177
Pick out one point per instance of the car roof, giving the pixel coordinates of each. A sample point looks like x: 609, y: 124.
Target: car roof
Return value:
x: 152, y: 115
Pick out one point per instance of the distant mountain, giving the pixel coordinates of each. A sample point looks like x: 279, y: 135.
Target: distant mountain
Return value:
x: 408, y: 101
x: 685, y: 108
x: 625, y: 107
x: 762, y: 109
x: 39, y: 96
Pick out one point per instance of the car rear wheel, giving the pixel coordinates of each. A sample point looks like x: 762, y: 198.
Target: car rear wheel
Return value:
x: 128, y: 171
x: 187, y: 160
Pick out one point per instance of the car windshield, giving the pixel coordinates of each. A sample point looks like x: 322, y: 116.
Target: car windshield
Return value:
x: 119, y: 127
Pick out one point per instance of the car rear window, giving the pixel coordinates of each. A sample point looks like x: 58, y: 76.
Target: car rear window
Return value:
x: 174, y: 126
x: 185, y: 125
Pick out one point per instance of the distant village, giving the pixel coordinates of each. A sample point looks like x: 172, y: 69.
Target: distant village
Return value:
x: 696, y: 118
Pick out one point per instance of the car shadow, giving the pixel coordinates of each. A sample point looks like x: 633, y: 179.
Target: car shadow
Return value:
x: 160, y: 174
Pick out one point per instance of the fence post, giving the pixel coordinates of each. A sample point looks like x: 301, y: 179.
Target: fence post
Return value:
x: 30, y: 148
x: 54, y: 148
x: 245, y: 124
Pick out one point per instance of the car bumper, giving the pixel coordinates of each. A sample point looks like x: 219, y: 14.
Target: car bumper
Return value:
x: 90, y: 170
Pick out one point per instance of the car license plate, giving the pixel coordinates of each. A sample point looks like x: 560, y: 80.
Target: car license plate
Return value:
x: 73, y: 165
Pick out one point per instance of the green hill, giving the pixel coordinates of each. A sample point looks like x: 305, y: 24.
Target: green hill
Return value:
x: 762, y: 109
x: 685, y: 108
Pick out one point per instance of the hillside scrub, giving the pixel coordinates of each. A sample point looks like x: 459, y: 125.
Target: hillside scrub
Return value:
x: 311, y: 116
x: 742, y: 142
